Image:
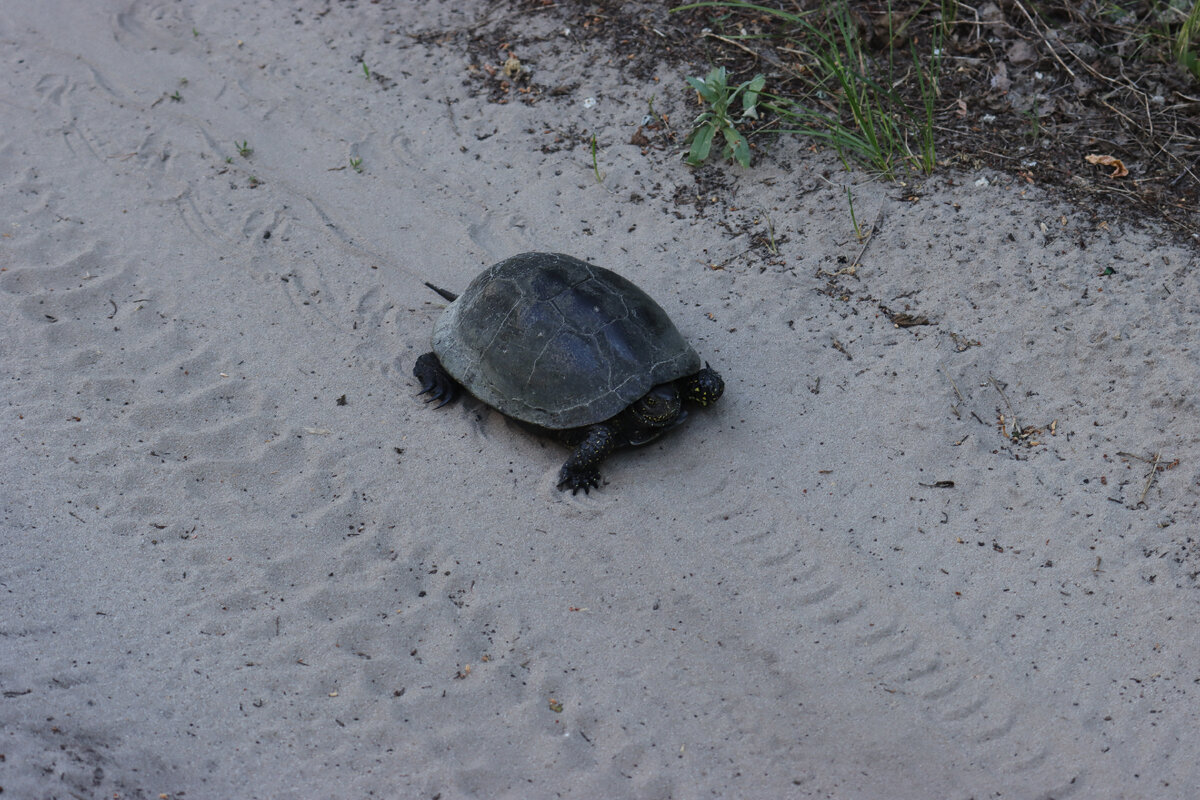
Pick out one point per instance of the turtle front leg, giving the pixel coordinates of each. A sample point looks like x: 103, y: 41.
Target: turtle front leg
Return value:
x: 435, y: 381
x: 582, y: 469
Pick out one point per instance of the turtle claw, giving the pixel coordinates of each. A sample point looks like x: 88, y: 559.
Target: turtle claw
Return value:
x: 439, y: 391
x: 586, y: 478
x: 435, y: 382
x: 445, y: 398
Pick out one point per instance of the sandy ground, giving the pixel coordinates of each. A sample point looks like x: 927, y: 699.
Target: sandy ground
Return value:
x: 849, y: 579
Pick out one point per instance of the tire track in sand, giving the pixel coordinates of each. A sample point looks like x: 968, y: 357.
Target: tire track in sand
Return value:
x: 946, y: 685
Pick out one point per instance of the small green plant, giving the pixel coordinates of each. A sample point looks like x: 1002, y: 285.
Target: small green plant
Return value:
x: 595, y: 162
x: 356, y: 165
x: 1185, y: 38
x: 177, y: 97
x: 858, y: 231
x: 1035, y: 121
x: 926, y: 154
x: 366, y: 71
x: 949, y: 15
x: 772, y: 246
x: 653, y: 118
x: 715, y: 91
x: 244, y: 149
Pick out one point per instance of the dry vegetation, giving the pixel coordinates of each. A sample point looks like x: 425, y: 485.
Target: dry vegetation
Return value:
x: 1099, y: 99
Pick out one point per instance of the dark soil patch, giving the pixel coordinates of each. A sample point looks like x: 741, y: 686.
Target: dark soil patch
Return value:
x: 1027, y: 89
x: 1030, y: 90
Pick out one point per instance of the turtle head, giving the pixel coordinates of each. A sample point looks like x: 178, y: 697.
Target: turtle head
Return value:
x: 657, y: 408
x: 705, y: 387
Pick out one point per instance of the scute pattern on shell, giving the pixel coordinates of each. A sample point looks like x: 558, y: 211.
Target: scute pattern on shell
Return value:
x: 557, y: 342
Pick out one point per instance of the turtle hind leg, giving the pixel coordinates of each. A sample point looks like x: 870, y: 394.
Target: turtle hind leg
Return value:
x: 435, y: 381
x: 704, y: 388
x: 582, y: 469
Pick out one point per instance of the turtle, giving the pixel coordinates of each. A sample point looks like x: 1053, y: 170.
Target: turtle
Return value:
x: 568, y: 349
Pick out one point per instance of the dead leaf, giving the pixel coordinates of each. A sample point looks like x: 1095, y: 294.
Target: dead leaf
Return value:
x: 1000, y: 80
x: 902, y: 320
x: 1022, y: 52
x: 1119, y: 169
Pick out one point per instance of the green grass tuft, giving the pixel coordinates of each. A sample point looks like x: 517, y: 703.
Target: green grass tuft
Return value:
x: 1186, y: 40
x: 847, y: 100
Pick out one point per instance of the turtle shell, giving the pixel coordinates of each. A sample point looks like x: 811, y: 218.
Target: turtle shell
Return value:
x: 554, y: 341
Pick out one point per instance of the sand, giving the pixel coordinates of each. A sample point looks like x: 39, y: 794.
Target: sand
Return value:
x: 238, y: 557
